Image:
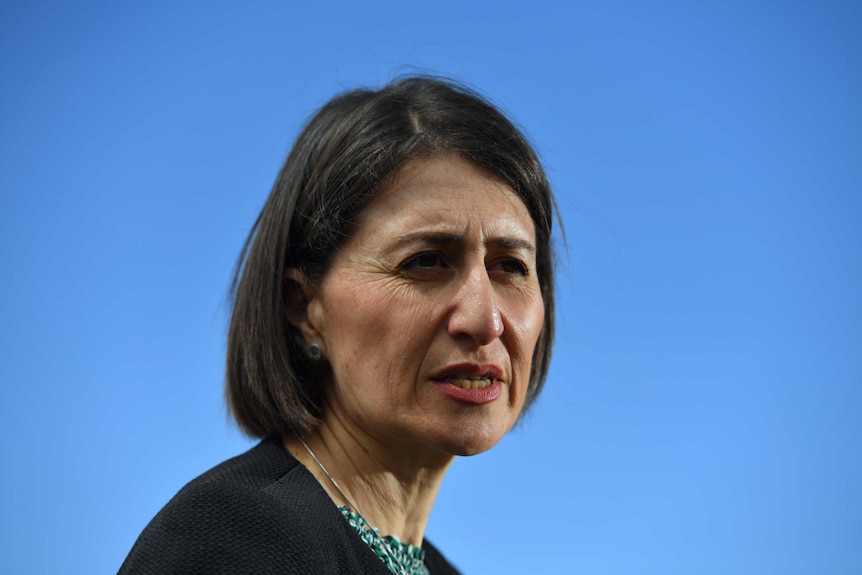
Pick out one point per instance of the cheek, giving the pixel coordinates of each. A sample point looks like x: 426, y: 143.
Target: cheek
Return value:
x: 530, y: 329
x: 379, y: 329
x: 539, y: 321
x: 528, y: 324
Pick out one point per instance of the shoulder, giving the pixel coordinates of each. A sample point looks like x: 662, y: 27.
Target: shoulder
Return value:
x: 260, y: 512
x: 436, y: 562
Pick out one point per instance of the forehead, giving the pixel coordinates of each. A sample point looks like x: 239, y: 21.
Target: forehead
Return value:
x: 447, y: 193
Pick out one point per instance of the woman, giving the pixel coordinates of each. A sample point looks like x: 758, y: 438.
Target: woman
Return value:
x: 393, y: 308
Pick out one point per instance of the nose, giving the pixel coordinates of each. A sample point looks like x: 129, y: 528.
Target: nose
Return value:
x: 476, y: 314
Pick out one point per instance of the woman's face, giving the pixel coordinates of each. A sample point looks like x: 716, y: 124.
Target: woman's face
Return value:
x: 429, y: 315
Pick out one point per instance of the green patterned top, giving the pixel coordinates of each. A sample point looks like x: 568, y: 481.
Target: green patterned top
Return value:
x: 400, y: 558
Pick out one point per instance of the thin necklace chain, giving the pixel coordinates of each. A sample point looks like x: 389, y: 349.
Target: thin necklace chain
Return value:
x: 330, y: 477
x: 386, y: 547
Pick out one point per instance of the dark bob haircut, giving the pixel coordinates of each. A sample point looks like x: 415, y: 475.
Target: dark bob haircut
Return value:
x: 349, y: 150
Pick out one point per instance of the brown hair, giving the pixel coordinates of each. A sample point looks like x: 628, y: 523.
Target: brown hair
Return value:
x: 349, y: 149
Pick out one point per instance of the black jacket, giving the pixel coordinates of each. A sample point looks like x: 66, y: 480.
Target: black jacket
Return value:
x: 260, y: 513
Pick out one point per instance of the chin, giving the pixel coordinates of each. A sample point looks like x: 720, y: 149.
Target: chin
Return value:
x: 467, y: 443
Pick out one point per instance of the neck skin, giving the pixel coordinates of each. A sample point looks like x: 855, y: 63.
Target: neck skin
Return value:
x: 394, y: 491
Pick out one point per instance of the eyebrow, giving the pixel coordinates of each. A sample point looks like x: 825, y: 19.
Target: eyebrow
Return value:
x: 447, y: 239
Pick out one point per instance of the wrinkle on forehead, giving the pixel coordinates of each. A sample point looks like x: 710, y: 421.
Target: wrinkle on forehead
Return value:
x: 441, y: 176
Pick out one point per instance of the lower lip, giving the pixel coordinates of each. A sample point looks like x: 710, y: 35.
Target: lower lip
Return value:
x: 472, y: 396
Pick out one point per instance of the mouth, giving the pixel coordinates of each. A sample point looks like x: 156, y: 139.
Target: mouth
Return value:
x: 478, y: 382
x: 470, y: 383
x: 469, y: 375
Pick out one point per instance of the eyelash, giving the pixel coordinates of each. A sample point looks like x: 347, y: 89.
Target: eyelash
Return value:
x: 421, y: 262
x: 519, y: 267
x: 415, y: 262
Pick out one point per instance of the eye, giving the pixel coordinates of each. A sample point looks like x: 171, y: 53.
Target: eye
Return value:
x: 510, y: 267
x: 425, y: 261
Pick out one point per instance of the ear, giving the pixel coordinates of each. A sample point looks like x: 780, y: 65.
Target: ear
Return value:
x: 302, y: 305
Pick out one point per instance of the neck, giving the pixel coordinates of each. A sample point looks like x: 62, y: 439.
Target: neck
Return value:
x: 394, y: 493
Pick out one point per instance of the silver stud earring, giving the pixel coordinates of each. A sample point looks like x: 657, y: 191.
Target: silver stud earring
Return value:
x: 313, y: 352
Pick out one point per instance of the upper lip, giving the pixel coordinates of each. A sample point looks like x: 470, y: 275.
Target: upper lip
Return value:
x: 467, y: 369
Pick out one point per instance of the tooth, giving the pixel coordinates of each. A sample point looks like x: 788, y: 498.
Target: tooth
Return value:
x: 469, y: 382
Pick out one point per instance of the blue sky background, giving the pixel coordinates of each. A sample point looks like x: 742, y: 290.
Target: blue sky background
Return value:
x: 703, y: 409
